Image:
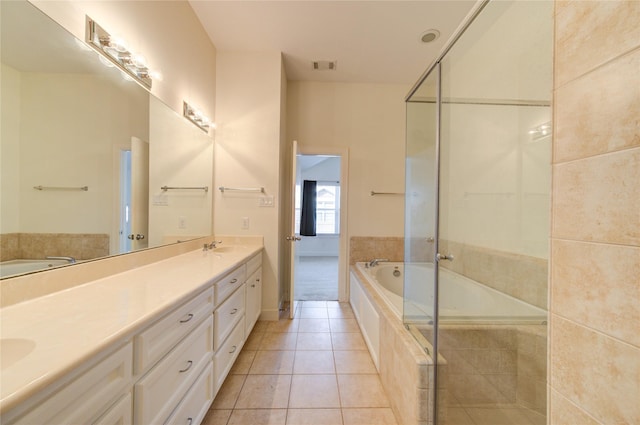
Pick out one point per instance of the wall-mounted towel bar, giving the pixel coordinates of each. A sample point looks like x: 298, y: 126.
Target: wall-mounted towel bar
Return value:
x: 82, y: 188
x: 386, y: 193
x: 507, y: 194
x: 165, y: 188
x: 242, y: 189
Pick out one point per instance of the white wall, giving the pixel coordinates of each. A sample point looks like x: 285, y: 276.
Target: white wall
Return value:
x: 167, y: 33
x: 181, y: 156
x: 10, y: 110
x: 248, y: 153
x: 369, y: 120
x: 68, y: 139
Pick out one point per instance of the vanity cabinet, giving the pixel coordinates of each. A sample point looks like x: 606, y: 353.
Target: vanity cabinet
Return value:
x: 167, y: 372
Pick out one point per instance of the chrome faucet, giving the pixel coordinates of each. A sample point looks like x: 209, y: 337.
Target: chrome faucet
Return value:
x: 375, y: 261
x: 211, y: 245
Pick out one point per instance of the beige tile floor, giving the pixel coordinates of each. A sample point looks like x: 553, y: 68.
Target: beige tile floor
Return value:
x: 313, y: 370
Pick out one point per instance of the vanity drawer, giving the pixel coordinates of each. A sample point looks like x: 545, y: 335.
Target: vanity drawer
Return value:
x: 225, y: 286
x: 118, y: 414
x: 227, y: 316
x: 227, y: 354
x: 197, y: 401
x: 160, y: 391
x: 87, y: 397
x: 254, y: 263
x: 152, y: 344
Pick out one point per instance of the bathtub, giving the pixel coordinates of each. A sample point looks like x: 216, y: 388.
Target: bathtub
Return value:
x: 13, y: 267
x: 462, y: 300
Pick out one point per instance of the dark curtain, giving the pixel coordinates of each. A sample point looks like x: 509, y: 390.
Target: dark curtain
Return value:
x: 308, y: 216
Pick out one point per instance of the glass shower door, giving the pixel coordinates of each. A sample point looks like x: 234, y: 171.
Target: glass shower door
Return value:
x: 493, y: 215
x: 420, y: 280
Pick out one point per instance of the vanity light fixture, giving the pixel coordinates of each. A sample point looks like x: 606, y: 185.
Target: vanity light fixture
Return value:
x: 194, y: 115
x: 540, y: 131
x: 115, y: 50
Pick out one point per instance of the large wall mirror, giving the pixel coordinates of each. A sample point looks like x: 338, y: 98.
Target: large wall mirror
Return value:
x: 86, y: 153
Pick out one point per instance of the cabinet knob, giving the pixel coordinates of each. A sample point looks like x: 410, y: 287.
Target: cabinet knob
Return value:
x: 253, y: 286
x: 189, y: 421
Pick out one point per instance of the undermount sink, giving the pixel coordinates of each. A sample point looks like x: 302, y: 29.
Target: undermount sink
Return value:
x: 228, y: 248
x: 13, y: 350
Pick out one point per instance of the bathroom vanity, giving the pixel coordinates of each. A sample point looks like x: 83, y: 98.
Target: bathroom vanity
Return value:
x: 150, y: 345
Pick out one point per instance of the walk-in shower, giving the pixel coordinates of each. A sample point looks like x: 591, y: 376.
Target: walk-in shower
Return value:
x: 478, y: 169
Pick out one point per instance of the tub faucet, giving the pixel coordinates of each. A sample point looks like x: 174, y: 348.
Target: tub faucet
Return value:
x: 375, y: 261
x: 71, y: 260
x: 211, y: 245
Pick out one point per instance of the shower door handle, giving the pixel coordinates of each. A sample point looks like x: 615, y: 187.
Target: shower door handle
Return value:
x: 444, y: 257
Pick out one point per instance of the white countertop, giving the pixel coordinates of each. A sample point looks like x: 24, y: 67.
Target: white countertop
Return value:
x: 72, y: 326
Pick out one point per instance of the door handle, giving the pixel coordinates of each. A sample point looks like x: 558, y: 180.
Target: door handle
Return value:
x: 293, y: 238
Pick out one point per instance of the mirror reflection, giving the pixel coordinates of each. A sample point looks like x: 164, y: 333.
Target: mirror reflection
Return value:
x: 85, y: 151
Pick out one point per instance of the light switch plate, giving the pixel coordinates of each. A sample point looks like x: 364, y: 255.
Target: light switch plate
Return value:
x: 266, y: 201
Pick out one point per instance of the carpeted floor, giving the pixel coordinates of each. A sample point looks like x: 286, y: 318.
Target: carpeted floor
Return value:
x: 317, y: 279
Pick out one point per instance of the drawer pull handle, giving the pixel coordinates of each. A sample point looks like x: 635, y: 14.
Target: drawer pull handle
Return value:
x: 189, y: 364
x: 189, y: 317
x: 257, y: 280
x: 233, y: 349
x: 234, y: 311
x: 233, y: 280
x: 253, y: 286
x: 189, y: 421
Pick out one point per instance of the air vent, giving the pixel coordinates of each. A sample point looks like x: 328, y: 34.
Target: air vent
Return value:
x: 324, y: 65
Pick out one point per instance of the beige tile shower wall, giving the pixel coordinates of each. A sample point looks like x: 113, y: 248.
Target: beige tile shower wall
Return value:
x: 521, y: 276
x: 366, y: 248
x: 81, y: 246
x: 9, y: 246
x: 594, y: 348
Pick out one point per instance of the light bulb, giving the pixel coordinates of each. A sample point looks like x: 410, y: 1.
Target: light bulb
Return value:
x: 138, y: 60
x: 118, y: 43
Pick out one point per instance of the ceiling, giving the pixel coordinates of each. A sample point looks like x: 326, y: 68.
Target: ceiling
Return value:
x: 372, y: 41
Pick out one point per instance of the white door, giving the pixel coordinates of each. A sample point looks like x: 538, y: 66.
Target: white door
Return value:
x: 292, y: 237
x: 139, y: 193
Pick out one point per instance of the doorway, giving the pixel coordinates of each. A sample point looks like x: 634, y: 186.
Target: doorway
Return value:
x: 317, y: 223
x: 133, y: 209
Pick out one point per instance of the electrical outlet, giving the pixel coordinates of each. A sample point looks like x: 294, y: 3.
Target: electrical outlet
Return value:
x: 245, y: 222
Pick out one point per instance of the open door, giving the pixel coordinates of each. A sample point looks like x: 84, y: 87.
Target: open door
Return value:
x: 292, y: 238
x: 139, y: 193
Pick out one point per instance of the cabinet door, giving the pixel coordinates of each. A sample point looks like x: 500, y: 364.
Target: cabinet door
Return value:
x: 254, y: 299
x: 119, y: 414
x: 88, y: 396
